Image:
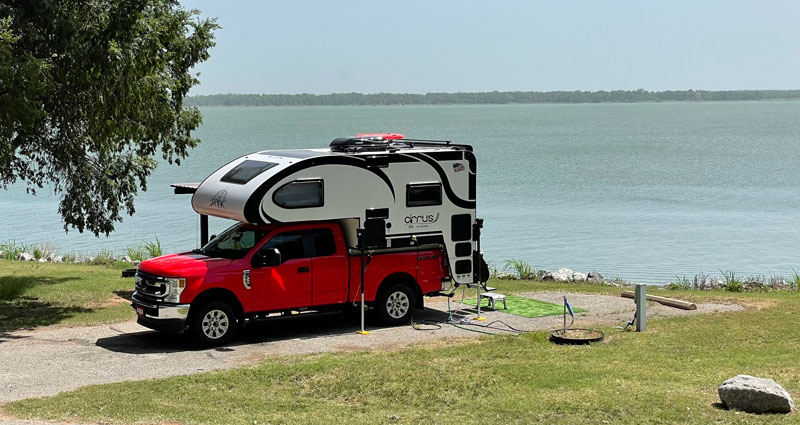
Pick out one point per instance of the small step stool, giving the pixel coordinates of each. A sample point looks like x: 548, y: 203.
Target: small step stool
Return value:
x: 493, y: 298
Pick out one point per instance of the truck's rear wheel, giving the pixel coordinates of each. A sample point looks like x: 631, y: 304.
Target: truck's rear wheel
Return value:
x: 213, y: 324
x: 395, y: 304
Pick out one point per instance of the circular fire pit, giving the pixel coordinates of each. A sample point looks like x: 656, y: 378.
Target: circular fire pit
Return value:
x: 577, y: 336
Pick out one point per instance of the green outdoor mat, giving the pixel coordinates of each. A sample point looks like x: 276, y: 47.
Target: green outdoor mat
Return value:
x: 524, y: 307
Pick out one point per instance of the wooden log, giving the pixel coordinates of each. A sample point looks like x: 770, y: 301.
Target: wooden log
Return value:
x: 684, y: 305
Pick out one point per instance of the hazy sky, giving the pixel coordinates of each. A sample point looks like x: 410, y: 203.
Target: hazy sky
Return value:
x: 415, y: 46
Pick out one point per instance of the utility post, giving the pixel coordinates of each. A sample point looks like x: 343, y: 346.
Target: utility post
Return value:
x: 640, y: 299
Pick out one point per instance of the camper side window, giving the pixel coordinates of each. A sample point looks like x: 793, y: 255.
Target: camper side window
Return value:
x: 423, y: 194
x: 300, y: 194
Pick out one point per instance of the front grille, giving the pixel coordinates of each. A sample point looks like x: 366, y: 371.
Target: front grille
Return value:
x: 151, y: 287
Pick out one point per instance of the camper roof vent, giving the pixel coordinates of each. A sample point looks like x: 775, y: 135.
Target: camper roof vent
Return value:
x: 364, y: 142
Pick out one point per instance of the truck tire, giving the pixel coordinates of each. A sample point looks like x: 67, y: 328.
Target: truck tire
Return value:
x: 395, y: 304
x: 213, y: 324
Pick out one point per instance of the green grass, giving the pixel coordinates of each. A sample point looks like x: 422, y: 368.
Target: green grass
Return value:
x: 525, y: 307
x: 667, y: 375
x: 40, y: 294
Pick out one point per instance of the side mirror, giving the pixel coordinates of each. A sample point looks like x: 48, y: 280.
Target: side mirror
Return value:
x: 267, y: 257
x: 212, y: 237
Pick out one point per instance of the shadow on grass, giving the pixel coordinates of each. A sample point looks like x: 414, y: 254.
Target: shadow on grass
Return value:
x: 12, y: 287
x: 124, y: 294
x: 300, y: 327
x: 24, y: 313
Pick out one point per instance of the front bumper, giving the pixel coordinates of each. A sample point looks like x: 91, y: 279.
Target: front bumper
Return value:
x: 161, y: 317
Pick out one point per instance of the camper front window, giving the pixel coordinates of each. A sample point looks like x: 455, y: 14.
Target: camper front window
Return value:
x: 246, y: 171
x: 300, y: 194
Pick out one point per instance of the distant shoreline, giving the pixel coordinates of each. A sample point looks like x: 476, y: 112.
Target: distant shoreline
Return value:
x: 489, y: 98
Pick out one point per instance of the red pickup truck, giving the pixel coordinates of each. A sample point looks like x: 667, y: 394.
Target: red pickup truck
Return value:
x: 249, y: 271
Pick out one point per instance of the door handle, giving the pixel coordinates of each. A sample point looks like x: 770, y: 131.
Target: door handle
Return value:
x: 303, y: 269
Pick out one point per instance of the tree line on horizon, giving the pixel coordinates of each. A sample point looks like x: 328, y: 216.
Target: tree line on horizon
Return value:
x: 494, y: 97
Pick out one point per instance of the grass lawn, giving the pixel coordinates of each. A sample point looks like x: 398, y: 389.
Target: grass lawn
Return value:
x: 38, y: 294
x: 668, y: 374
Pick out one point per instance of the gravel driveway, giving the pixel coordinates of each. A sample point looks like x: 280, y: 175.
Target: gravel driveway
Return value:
x: 51, y: 360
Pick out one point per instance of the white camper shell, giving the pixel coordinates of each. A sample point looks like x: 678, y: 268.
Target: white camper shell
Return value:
x: 420, y: 191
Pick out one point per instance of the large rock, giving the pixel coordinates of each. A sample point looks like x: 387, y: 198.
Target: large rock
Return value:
x: 595, y: 277
x: 126, y: 259
x: 560, y: 275
x: 564, y: 275
x: 55, y: 258
x: 24, y: 256
x: 755, y: 395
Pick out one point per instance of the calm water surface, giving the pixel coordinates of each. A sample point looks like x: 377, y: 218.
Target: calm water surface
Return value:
x: 640, y: 191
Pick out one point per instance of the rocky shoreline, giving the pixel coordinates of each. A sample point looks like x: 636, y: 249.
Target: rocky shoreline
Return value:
x: 522, y: 271
x: 700, y: 282
x: 81, y: 259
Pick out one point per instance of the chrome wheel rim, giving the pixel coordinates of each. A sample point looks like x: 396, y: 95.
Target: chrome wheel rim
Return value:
x: 397, y: 304
x: 215, y: 324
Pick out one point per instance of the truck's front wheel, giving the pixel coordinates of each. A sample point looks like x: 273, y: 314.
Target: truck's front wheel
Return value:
x: 395, y: 304
x: 213, y: 324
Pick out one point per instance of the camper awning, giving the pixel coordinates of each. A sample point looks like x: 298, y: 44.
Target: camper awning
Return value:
x: 185, y: 188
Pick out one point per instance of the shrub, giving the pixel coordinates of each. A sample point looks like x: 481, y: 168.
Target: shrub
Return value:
x: 104, y: 257
x: 153, y: 249
x: 794, y: 280
x: 136, y: 253
x: 520, y: 268
x: 11, y: 250
x: 680, y: 283
x: 731, y: 283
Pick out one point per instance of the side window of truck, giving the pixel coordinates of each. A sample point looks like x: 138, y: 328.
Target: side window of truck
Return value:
x: 289, y: 244
x: 324, y: 243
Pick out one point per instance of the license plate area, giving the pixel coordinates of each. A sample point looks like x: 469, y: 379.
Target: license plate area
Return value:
x: 140, y: 310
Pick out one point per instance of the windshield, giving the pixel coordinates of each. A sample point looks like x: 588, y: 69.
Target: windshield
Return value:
x: 234, y: 242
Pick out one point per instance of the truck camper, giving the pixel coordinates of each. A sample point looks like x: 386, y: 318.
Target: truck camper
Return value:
x: 384, y: 216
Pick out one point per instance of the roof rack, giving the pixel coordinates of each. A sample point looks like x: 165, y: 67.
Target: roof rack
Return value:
x: 378, y: 143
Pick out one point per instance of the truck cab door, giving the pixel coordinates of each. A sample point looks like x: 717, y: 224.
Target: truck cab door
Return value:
x: 286, y: 285
x: 330, y: 274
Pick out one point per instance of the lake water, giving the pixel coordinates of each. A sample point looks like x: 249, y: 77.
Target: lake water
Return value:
x: 640, y: 191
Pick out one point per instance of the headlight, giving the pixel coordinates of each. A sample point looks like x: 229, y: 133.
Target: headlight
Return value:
x: 174, y: 289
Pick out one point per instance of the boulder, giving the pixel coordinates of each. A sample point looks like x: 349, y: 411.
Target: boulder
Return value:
x: 755, y: 395
x: 126, y: 259
x: 578, y: 277
x: 24, y: 256
x: 711, y: 284
x: 43, y: 260
x: 560, y: 275
x: 55, y: 258
x: 595, y: 277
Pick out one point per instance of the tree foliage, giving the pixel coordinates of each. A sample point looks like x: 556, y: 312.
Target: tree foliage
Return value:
x: 494, y: 97
x: 90, y: 92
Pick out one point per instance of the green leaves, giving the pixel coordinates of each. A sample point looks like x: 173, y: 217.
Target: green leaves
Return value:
x: 90, y: 92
